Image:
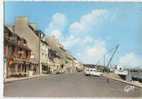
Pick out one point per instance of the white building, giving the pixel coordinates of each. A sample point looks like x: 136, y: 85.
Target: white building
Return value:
x: 43, y: 55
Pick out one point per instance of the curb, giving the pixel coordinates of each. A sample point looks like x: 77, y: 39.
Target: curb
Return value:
x: 19, y: 79
x: 130, y: 83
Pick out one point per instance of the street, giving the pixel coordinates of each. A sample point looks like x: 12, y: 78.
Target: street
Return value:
x: 69, y: 85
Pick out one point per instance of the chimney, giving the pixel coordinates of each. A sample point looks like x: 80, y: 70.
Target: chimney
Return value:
x: 22, y: 20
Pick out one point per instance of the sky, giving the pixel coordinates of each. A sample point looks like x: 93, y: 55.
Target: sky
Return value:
x: 88, y: 30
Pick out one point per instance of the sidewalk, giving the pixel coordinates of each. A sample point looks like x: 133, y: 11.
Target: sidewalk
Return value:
x: 22, y: 78
x: 116, y: 77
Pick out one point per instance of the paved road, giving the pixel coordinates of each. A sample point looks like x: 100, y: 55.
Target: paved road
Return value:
x: 69, y: 85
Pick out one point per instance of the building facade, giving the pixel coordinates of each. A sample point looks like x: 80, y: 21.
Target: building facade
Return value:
x: 44, y: 68
x: 16, y: 55
x: 60, y: 60
x: 28, y: 31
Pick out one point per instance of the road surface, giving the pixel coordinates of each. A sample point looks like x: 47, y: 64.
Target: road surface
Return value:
x: 69, y: 85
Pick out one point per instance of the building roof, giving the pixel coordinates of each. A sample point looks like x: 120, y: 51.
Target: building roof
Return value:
x: 45, y: 42
x: 10, y: 28
x: 15, y: 43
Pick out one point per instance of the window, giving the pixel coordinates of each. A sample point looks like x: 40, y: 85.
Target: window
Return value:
x: 11, y: 50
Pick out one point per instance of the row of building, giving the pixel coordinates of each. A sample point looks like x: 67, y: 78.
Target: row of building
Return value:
x: 28, y: 51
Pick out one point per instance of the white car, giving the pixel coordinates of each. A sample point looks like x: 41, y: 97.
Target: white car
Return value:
x: 87, y: 71
x: 92, y: 71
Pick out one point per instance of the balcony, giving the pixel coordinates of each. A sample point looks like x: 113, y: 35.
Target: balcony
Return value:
x: 13, y: 39
x: 6, y: 36
x: 20, y: 43
x: 23, y: 45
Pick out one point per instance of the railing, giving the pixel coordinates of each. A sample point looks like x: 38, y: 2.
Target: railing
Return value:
x: 6, y: 36
x: 21, y: 43
x: 15, y: 40
x: 21, y: 55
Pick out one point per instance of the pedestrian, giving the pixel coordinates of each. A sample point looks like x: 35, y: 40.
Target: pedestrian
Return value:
x: 34, y: 69
x: 107, y: 80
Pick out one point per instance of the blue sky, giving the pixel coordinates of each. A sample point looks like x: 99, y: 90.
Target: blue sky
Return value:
x: 88, y: 29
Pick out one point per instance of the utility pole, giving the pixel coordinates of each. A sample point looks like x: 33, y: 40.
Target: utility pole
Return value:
x: 104, y: 60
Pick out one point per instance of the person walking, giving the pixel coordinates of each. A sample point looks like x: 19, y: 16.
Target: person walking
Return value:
x: 107, y: 80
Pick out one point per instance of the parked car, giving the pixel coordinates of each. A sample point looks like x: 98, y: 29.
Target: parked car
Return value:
x: 92, y: 71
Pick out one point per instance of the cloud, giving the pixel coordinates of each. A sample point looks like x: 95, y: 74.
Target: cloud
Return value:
x: 86, y: 48
x: 76, y: 27
x: 94, y: 54
x: 88, y: 22
x: 98, y: 50
x: 57, y: 34
x: 77, y: 41
x: 58, y: 22
x: 71, y: 41
x: 130, y: 60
